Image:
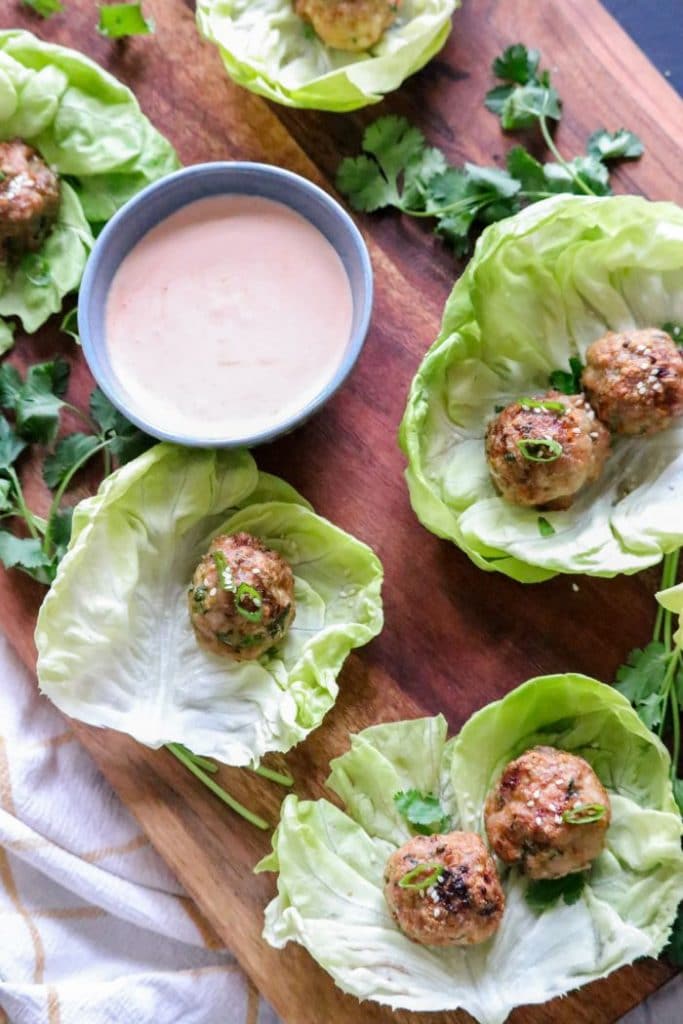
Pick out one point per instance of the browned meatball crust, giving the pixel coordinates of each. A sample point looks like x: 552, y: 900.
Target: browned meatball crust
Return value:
x: 634, y: 380
x: 463, y: 903
x: 352, y: 25
x: 29, y: 199
x: 522, y: 450
x: 525, y: 814
x: 241, y: 598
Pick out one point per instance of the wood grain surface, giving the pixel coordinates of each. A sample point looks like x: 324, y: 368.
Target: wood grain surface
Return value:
x: 455, y: 638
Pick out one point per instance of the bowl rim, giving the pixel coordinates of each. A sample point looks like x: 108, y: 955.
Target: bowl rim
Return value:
x: 92, y: 348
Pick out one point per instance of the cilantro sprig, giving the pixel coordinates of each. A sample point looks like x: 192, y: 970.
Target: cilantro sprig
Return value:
x: 398, y: 168
x: 31, y: 418
x: 546, y: 892
x: 652, y: 680
x: 422, y: 811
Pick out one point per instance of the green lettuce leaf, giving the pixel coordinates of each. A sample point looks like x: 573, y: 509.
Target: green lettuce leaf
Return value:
x: 540, y: 288
x: 270, y: 50
x: 330, y: 862
x: 91, y: 131
x: 672, y: 600
x: 115, y: 644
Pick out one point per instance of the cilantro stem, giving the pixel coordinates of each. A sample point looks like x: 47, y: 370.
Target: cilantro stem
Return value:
x: 83, y: 417
x: 550, y: 143
x: 22, y: 507
x: 282, y: 778
x: 61, y: 490
x: 188, y: 761
x: 675, y: 715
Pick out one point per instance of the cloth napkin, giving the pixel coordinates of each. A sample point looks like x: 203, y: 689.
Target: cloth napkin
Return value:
x: 93, y: 927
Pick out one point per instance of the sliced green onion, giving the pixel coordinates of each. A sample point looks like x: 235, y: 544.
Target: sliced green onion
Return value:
x: 37, y: 269
x: 246, y: 592
x: 416, y: 878
x: 542, y: 403
x: 225, y: 577
x: 584, y: 814
x: 532, y: 448
x: 120, y: 20
x: 189, y: 761
x: 282, y: 778
x: 545, y: 528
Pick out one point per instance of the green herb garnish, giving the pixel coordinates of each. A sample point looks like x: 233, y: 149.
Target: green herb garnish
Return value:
x: 45, y: 8
x: 423, y: 811
x: 397, y: 167
x: 117, y: 21
x: 35, y: 404
x: 545, y: 892
x: 416, y: 878
x: 542, y: 403
x: 674, y: 330
x: 37, y: 269
x: 245, y: 592
x: 226, y: 580
x: 540, y: 449
x: 584, y: 814
x: 545, y: 528
x: 569, y: 383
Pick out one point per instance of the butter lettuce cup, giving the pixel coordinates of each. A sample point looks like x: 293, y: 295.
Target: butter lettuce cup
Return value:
x: 541, y: 287
x: 270, y: 49
x: 88, y: 130
x: 553, y: 937
x: 116, y: 646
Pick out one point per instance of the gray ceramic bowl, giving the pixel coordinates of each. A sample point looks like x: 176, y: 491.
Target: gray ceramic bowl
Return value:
x: 159, y: 201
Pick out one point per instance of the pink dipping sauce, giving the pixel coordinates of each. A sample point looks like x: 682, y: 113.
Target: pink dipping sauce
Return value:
x: 228, y: 317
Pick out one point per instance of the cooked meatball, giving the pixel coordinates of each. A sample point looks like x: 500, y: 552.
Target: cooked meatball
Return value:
x: 29, y: 199
x: 534, y: 814
x: 451, y: 894
x: 542, y: 451
x: 348, y: 24
x: 634, y: 380
x: 241, y: 598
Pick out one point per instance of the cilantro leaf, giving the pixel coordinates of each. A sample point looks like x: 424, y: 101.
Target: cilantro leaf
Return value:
x: 127, y: 441
x: 423, y: 811
x: 641, y: 681
x: 45, y: 8
x: 545, y: 528
x: 545, y: 892
x: 517, y: 64
x: 120, y: 20
x: 419, y: 174
x: 6, y: 498
x: 491, y: 181
x: 593, y: 173
x: 449, y: 187
x: 10, y: 386
x: 67, y: 453
x: 674, y: 330
x: 568, y: 383
x: 454, y: 229
x: 497, y: 97
x: 526, y: 104
x: 26, y: 553
x: 674, y: 949
x: 620, y: 145
x: 60, y: 532
x: 392, y: 147
x: 360, y: 179
x: 40, y: 399
x: 11, y: 446
x: 526, y: 169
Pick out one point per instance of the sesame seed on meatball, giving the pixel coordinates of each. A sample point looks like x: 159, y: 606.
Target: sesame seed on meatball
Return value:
x: 352, y: 25
x: 541, y: 451
x: 29, y: 199
x: 548, y: 814
x: 444, y: 890
x: 241, y: 598
x: 634, y: 380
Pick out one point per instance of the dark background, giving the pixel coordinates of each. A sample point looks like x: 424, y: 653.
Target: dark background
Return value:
x: 657, y: 27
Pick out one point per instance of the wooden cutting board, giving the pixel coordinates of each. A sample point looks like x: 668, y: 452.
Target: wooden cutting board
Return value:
x: 455, y: 638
